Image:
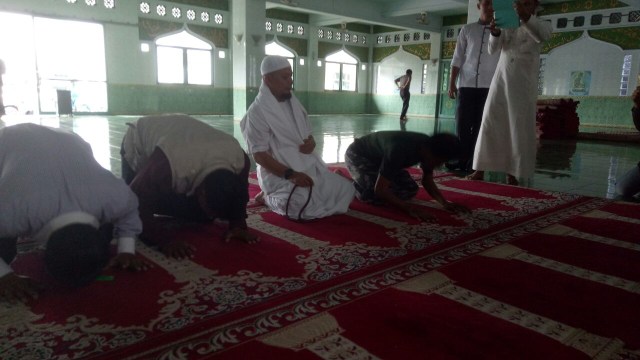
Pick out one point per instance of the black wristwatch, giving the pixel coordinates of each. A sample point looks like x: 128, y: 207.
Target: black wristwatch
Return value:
x: 288, y: 173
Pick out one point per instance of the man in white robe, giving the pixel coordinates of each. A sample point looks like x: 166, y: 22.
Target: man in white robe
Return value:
x: 295, y: 182
x: 507, y: 139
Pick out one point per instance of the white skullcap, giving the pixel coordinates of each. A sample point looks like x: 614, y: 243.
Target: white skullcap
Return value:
x: 273, y: 63
x: 60, y: 221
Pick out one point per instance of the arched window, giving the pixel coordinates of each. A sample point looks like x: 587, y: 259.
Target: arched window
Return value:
x: 341, y: 72
x: 184, y: 59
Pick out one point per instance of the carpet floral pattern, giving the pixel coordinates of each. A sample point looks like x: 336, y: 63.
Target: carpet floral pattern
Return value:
x: 528, y: 274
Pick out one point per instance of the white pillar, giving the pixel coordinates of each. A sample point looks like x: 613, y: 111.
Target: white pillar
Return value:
x: 473, y: 13
x: 248, y: 38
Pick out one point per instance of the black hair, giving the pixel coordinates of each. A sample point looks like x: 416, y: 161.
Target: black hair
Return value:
x: 409, y: 71
x: 76, y: 254
x: 225, y: 194
x: 445, y: 146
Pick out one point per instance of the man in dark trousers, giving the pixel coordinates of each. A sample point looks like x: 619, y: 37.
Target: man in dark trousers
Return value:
x: 404, y: 84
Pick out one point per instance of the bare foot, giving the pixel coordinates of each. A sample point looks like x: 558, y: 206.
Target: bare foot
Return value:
x: 476, y: 175
x: 259, y: 199
x: 511, y: 180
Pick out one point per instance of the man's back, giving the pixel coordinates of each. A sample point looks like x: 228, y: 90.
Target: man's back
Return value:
x: 396, y: 149
x: 193, y: 148
x: 45, y: 172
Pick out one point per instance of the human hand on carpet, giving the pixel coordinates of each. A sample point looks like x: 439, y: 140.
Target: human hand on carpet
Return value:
x: 242, y: 235
x: 177, y: 250
x: 456, y: 208
x: 126, y: 261
x: 14, y: 288
x: 421, y: 215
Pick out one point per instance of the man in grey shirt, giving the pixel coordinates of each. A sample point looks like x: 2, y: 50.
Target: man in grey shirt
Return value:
x: 55, y: 192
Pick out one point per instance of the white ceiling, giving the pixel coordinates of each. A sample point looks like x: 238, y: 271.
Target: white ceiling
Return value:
x: 404, y: 14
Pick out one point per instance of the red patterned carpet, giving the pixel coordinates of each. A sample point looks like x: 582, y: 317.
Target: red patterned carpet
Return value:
x: 528, y: 275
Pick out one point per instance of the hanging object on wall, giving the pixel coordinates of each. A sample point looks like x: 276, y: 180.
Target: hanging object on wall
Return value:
x: 422, y: 18
x: 579, y: 83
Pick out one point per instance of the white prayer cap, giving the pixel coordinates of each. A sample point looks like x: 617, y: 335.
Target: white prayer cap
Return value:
x: 60, y: 221
x: 273, y: 63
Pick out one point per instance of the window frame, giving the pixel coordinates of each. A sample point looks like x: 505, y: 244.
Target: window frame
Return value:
x: 209, y: 48
x: 341, y: 76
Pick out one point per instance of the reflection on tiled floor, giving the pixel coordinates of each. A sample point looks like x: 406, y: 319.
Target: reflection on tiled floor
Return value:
x: 580, y: 167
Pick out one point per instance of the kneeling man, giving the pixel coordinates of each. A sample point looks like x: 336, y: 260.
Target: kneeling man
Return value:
x: 377, y: 163
x: 294, y: 180
x: 183, y: 168
x: 53, y: 191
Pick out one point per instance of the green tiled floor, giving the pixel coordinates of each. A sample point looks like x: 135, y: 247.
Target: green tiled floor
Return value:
x: 580, y: 167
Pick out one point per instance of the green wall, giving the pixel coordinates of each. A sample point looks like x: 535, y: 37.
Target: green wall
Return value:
x: 605, y: 111
x: 610, y: 111
x: 420, y: 105
x: 153, y: 99
x: 334, y: 102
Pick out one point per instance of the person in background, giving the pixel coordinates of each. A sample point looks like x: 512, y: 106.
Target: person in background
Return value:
x: 2, y: 72
x: 404, y: 84
x: 472, y: 68
x: 183, y: 168
x: 295, y: 182
x: 507, y: 139
x: 377, y: 163
x: 629, y: 184
x: 54, y: 192
x: 635, y: 110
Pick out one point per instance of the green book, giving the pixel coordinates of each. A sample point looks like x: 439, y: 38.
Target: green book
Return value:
x: 505, y: 15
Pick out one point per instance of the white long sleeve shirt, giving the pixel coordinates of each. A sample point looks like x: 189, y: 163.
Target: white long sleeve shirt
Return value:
x: 472, y: 57
x: 48, y: 173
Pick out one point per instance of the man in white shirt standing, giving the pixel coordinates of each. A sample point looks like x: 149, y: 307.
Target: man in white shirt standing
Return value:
x: 55, y: 192
x: 472, y: 68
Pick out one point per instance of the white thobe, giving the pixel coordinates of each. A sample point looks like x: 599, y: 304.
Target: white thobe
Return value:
x: 507, y: 139
x: 279, y: 128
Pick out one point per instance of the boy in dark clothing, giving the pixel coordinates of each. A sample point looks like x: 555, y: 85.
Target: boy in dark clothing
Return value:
x: 377, y: 163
